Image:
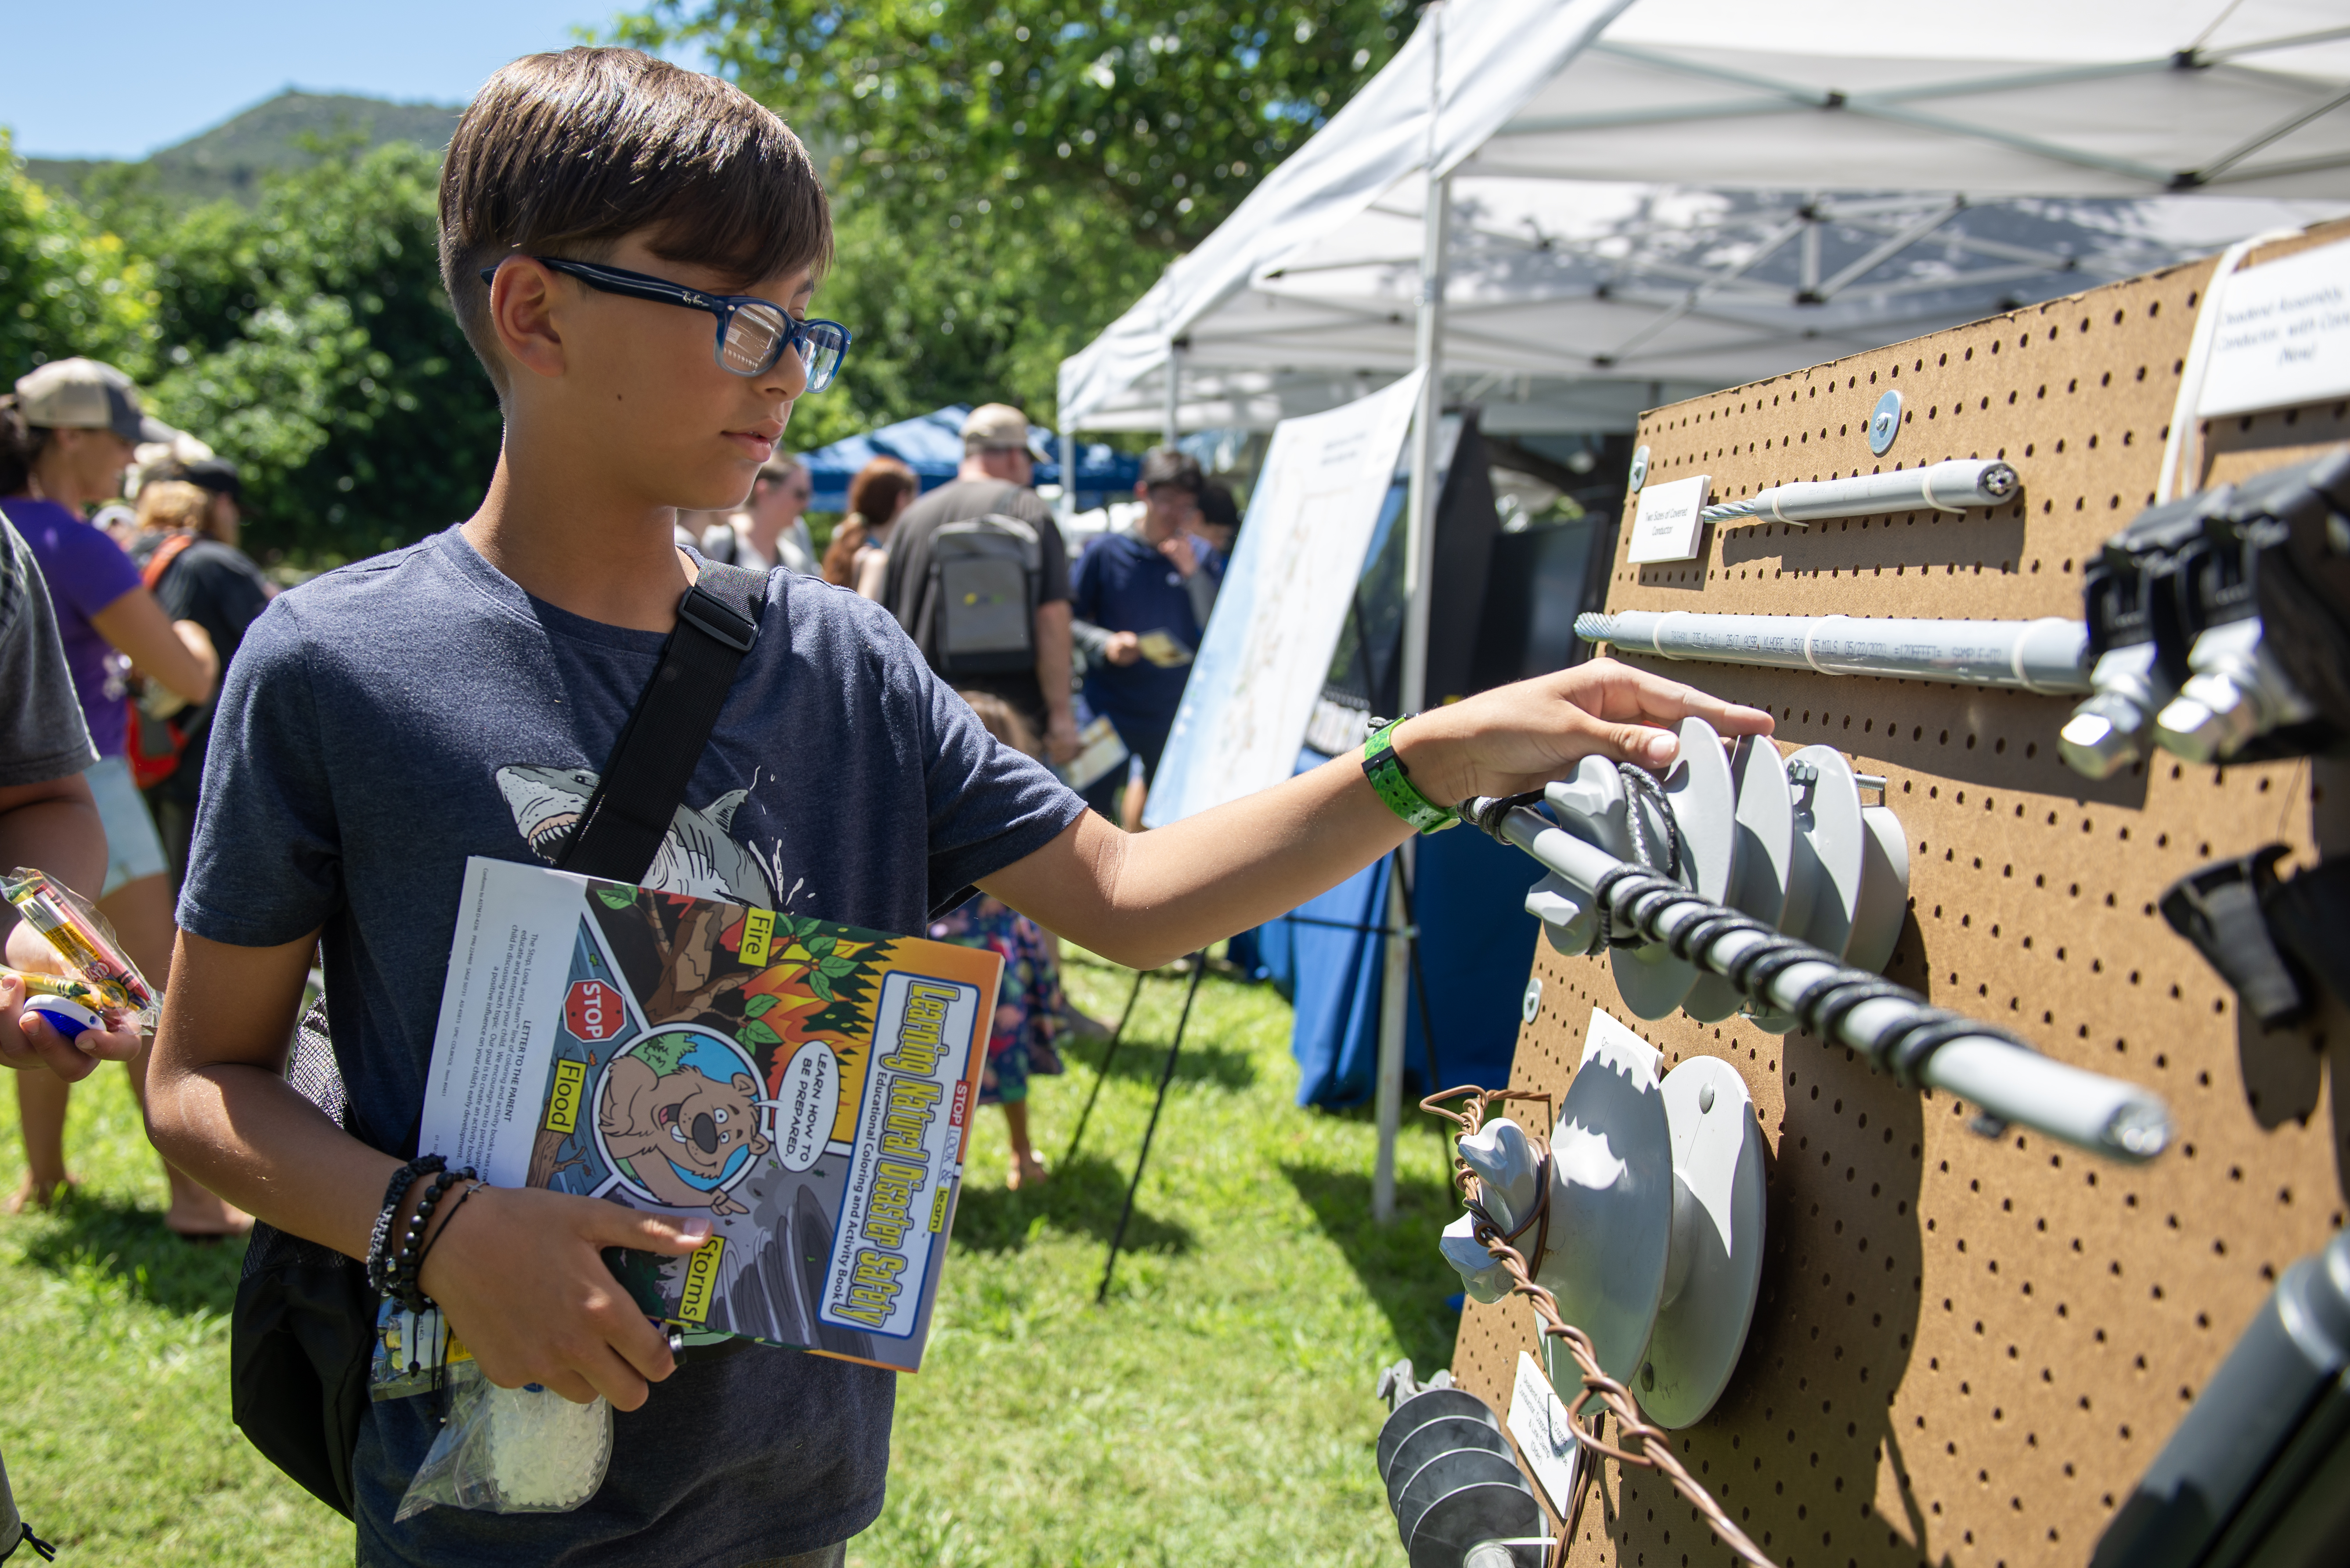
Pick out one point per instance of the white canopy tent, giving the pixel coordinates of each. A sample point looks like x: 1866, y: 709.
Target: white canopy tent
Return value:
x: 1636, y: 188
x: 1538, y: 200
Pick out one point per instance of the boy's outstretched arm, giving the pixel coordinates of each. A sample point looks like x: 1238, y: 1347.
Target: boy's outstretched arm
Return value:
x: 520, y: 1275
x: 1144, y: 899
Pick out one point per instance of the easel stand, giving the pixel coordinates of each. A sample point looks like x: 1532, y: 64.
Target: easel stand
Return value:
x: 1166, y: 1076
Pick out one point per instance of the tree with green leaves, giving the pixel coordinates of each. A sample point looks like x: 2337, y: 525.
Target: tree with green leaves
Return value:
x: 311, y: 341
x: 1006, y: 179
x: 68, y: 286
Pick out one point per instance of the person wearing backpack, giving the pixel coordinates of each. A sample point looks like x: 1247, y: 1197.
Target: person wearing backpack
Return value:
x: 189, y: 523
x: 601, y: 213
x: 979, y: 579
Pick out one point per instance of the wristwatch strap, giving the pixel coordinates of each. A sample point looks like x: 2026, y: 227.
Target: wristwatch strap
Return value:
x: 1393, y: 782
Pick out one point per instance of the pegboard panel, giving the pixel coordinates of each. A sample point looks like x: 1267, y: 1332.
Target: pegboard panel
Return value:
x: 1967, y: 1350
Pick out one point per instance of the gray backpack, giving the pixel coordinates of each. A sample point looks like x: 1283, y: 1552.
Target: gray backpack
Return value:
x: 984, y: 576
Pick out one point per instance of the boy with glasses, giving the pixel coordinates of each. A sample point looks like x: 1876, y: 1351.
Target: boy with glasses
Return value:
x: 600, y: 211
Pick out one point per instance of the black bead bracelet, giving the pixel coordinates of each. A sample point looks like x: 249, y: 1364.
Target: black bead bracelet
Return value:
x: 378, y: 1258
x: 406, y: 1264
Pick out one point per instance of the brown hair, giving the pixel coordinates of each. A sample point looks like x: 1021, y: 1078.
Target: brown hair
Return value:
x: 20, y: 447
x: 872, y: 501
x: 1003, y: 721
x: 568, y: 152
x: 171, y: 506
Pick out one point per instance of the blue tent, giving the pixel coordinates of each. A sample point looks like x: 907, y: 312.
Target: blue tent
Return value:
x: 931, y: 445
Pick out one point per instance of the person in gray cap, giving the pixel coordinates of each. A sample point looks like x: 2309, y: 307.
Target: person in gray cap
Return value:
x: 990, y: 491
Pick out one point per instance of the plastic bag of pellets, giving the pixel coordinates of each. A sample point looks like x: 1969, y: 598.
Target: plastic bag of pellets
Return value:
x: 511, y: 1450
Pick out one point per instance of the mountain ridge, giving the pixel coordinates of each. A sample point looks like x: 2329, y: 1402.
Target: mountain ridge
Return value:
x: 230, y: 159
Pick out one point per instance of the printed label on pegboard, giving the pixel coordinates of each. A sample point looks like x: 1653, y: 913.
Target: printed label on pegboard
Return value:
x: 1666, y: 526
x: 1538, y: 1420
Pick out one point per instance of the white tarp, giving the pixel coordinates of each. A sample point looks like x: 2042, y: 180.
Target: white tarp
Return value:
x: 1267, y: 648
x: 1638, y: 194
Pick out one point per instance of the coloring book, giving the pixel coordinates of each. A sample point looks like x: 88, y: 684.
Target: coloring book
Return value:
x: 806, y: 1086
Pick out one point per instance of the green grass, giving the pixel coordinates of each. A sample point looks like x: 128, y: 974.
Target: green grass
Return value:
x: 1217, y: 1409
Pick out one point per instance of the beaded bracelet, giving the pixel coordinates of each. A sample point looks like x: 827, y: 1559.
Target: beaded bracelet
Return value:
x: 403, y: 1272
x: 434, y: 1239
x: 378, y: 1258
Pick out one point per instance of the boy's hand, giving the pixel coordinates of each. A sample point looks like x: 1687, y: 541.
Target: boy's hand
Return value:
x: 520, y: 1277
x: 1521, y: 737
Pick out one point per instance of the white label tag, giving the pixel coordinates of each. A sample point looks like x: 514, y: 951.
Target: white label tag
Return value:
x: 2283, y: 336
x: 1665, y: 527
x: 1546, y: 1436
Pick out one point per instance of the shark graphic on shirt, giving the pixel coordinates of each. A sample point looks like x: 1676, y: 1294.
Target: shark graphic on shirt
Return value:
x: 697, y: 856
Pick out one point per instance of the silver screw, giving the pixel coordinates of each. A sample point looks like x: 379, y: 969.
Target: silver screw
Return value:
x: 1884, y: 423
x: 2094, y: 745
x: 1530, y: 1006
x: 1639, y: 469
x: 1704, y: 1099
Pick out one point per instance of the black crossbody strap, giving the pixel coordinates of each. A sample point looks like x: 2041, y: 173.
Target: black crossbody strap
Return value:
x: 643, y: 782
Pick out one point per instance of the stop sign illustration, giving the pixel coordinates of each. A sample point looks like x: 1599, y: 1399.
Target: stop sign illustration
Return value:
x: 593, y: 1012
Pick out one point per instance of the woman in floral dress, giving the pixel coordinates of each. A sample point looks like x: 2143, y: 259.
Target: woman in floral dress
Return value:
x: 1029, y: 1007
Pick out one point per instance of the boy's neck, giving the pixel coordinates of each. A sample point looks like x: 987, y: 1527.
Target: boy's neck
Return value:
x: 617, y: 565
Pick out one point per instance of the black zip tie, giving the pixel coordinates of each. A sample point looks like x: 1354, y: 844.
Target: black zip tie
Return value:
x: 41, y: 1549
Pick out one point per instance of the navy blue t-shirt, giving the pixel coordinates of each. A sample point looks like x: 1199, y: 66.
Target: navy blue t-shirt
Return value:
x: 388, y: 720
x: 1125, y: 584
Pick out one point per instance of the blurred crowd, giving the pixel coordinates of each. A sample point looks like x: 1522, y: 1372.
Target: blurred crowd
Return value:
x: 134, y: 527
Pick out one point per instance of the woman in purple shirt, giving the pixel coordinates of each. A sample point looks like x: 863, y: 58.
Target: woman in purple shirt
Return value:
x: 66, y: 436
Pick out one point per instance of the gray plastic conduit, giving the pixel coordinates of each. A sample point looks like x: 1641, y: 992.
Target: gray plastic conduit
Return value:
x: 1952, y: 486
x: 2048, y: 656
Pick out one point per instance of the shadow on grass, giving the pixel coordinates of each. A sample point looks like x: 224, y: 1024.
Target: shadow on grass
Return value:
x: 1140, y: 1061
x: 1399, y: 1265
x: 1081, y: 1197
x: 126, y: 1243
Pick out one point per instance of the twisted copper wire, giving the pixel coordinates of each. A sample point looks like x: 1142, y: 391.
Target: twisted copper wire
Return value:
x: 1655, y: 1452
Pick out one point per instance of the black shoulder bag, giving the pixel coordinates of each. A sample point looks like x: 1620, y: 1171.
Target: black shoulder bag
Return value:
x: 303, y: 1331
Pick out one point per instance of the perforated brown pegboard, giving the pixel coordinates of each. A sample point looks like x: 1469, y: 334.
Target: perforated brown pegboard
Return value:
x: 1966, y: 1351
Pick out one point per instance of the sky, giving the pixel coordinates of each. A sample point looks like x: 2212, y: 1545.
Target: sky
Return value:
x: 139, y: 75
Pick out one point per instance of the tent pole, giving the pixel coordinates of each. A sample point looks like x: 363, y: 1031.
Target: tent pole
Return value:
x: 1069, y: 477
x: 1174, y: 392
x: 1419, y: 554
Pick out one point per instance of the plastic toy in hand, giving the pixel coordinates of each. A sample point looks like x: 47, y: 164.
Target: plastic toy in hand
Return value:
x: 85, y: 942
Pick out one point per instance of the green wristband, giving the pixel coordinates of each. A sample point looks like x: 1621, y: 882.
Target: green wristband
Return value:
x: 1393, y: 782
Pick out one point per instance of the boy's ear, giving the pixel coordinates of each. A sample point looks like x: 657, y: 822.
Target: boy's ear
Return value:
x: 523, y: 315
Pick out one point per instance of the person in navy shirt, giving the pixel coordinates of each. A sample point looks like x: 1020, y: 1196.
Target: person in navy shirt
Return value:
x: 1140, y: 603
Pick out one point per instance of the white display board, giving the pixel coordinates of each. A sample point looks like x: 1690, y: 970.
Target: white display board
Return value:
x: 1268, y: 647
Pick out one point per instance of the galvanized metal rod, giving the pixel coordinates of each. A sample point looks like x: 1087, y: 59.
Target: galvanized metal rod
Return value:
x: 1952, y: 486
x: 2008, y: 1082
x: 2048, y: 656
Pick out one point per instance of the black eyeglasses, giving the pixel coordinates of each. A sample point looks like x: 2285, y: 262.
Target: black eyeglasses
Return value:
x: 752, y: 333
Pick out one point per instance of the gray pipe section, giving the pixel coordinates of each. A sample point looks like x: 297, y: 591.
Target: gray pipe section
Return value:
x: 2007, y: 1081
x: 2046, y: 656
x: 1952, y: 486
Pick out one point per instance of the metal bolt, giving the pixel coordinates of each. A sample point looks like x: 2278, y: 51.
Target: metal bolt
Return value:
x: 2210, y: 717
x: 1884, y: 423
x: 2094, y: 745
x: 1639, y: 469
x: 1530, y: 1005
x: 1704, y: 1099
x: 1648, y: 1378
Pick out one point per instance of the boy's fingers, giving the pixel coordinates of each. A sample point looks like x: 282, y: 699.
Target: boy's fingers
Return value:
x: 613, y: 1226
x: 612, y: 1377
x: 108, y: 1045
x: 53, y: 1051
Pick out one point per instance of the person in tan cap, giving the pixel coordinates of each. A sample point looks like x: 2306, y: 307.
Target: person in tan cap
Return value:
x: 67, y: 433
x: 983, y: 538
